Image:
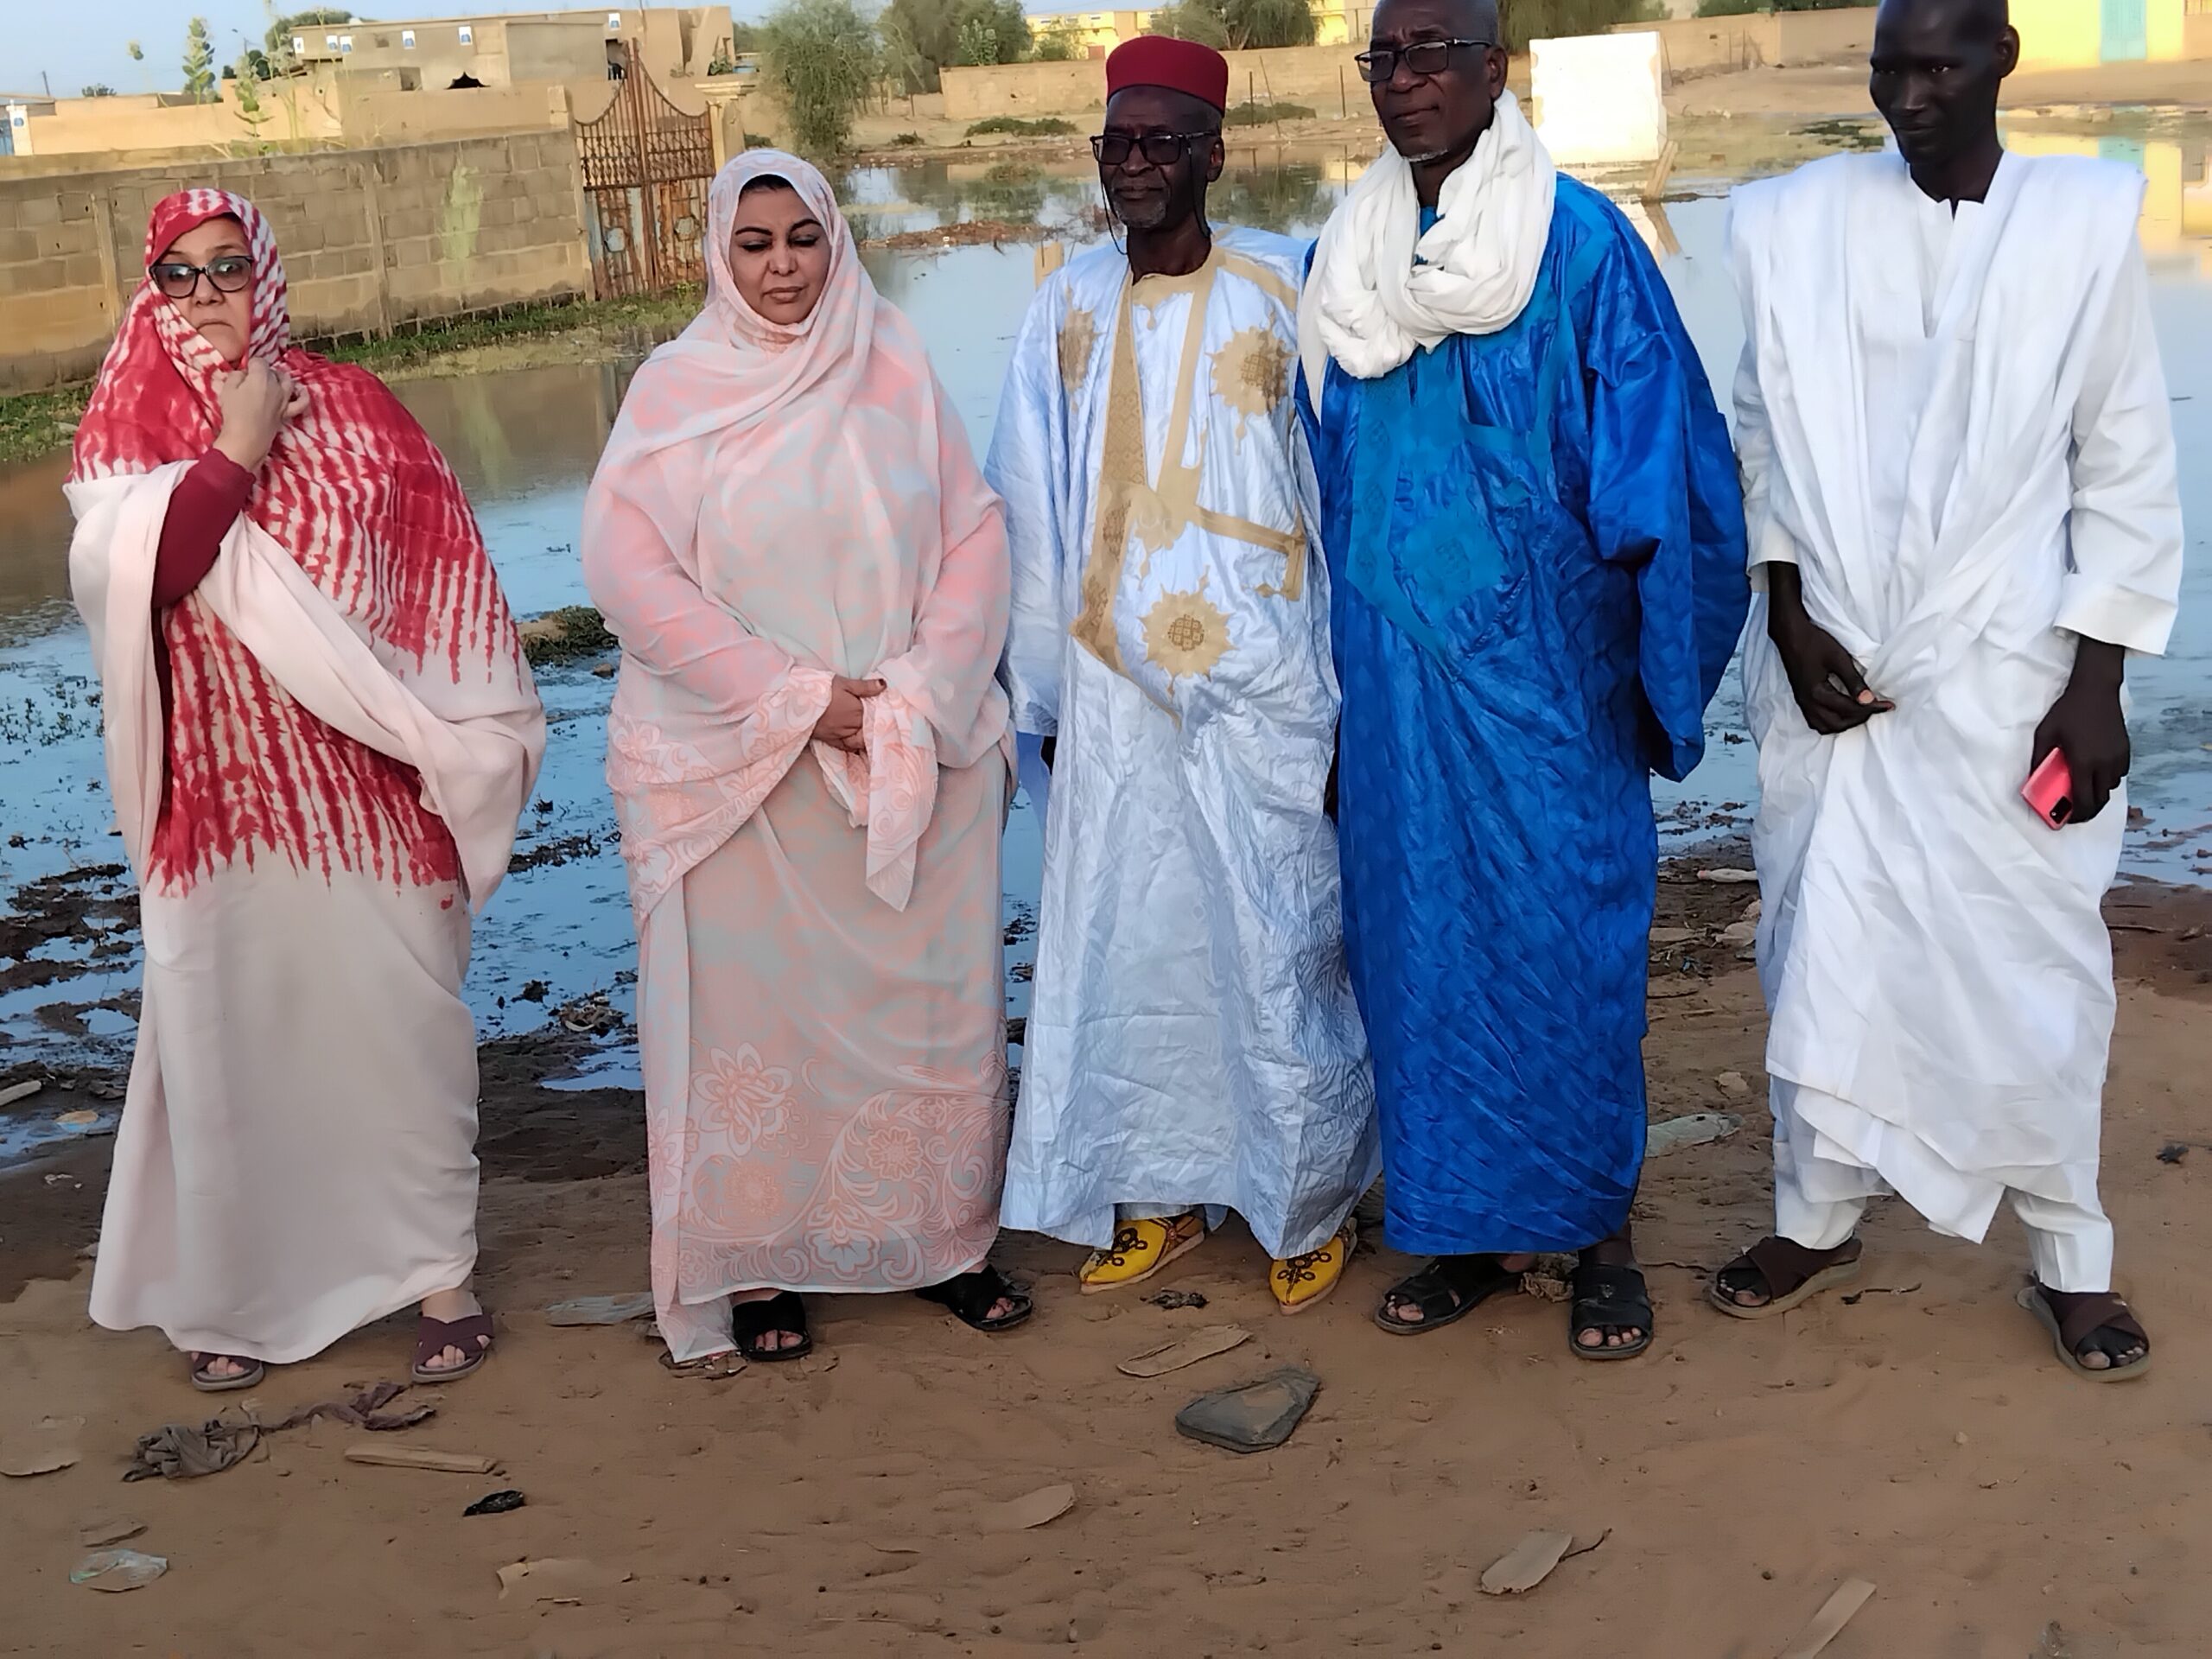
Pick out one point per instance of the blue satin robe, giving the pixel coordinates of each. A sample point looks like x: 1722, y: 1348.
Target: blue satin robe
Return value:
x: 1536, y: 545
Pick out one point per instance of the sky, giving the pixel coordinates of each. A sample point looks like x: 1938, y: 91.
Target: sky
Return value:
x: 82, y: 43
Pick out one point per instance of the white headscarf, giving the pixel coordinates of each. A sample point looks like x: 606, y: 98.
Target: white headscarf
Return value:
x: 1380, y: 288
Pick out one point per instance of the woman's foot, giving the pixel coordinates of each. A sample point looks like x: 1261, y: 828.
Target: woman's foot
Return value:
x: 1141, y: 1249
x: 985, y: 1301
x: 1448, y: 1288
x: 452, y: 1337
x: 1776, y: 1274
x: 2094, y: 1333
x: 225, y: 1373
x: 1299, y: 1281
x: 771, y: 1328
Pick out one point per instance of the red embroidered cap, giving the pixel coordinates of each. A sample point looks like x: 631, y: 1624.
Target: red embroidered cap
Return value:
x: 1180, y: 65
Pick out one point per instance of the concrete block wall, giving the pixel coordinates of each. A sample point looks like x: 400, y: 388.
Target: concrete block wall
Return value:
x: 373, y: 240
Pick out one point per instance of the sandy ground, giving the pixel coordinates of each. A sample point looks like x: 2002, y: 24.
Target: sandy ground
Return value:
x: 1919, y: 1435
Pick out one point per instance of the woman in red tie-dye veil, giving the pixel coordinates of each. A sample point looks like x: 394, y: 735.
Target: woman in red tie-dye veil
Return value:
x: 320, y: 733
x: 809, y: 752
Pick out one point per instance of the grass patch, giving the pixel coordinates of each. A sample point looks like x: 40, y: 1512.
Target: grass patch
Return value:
x: 565, y: 635
x: 38, y: 422
x: 906, y: 141
x: 35, y: 424
x: 1014, y: 126
x: 1263, y: 115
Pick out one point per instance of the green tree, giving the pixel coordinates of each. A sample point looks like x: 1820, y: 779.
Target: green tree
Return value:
x: 199, y: 62
x: 1264, y: 24
x: 1052, y: 45
x: 822, y: 55
x: 920, y: 37
x: 1523, y: 21
x: 246, y: 90
x: 278, y: 40
x: 1739, y: 7
x: 1192, y: 20
x: 98, y: 89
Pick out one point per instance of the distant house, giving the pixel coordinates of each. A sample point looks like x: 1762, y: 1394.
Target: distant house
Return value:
x: 492, y: 48
x: 2082, y: 34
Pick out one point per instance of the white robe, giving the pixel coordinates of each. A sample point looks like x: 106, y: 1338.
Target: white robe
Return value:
x: 1958, y: 429
x: 1192, y: 1039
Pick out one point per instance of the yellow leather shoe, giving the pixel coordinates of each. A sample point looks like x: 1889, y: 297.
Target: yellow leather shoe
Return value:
x: 1141, y: 1249
x: 1302, y: 1280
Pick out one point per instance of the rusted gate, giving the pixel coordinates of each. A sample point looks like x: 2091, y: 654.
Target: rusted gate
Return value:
x: 646, y: 166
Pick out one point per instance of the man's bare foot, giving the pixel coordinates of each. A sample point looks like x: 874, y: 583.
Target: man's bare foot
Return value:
x: 1613, y: 1310
x: 2095, y: 1329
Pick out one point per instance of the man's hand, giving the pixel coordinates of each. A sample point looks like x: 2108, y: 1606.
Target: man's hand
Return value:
x: 841, y: 724
x: 1824, y: 678
x: 255, y: 403
x: 2087, y: 727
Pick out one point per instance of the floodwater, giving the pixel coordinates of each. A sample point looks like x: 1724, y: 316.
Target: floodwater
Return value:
x: 524, y: 442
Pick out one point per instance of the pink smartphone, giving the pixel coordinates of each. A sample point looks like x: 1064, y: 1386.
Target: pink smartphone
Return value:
x: 2050, y: 791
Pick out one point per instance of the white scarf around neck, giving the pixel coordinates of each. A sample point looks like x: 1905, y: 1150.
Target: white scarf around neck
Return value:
x: 1370, y: 305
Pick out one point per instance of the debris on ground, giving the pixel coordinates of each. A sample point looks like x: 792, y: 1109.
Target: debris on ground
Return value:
x: 590, y: 1016
x: 421, y: 1457
x: 601, y: 1309
x: 1173, y: 1301
x: 41, y: 1448
x: 15, y: 1091
x: 82, y: 1119
x: 1527, y: 1564
x: 495, y: 1504
x: 1046, y: 1504
x: 1256, y: 1417
x: 557, y: 1578
x: 1734, y: 1084
x: 1827, y: 1623
x: 118, y: 1569
x: 1174, y: 1355
x: 968, y: 233
x: 1729, y: 878
x: 1695, y: 1129
x: 181, y: 1452
x: 715, y: 1367
x: 2173, y: 1152
x: 94, y: 1534
x: 365, y: 1409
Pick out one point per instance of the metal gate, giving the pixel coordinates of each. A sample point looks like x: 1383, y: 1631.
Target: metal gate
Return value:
x: 646, y: 166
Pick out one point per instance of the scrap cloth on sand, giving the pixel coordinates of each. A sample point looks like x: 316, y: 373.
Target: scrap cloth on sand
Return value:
x: 1192, y: 1040
x: 819, y: 997
x: 1956, y: 425
x: 318, y: 759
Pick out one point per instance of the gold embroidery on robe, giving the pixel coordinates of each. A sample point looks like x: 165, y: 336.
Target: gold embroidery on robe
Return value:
x: 1154, y: 512
x: 1251, y: 374
x: 1078, y: 335
x: 1185, y: 632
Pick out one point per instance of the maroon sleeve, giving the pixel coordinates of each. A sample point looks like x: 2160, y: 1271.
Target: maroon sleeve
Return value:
x: 204, y: 505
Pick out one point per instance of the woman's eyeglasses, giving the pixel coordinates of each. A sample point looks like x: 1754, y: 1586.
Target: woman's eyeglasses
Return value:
x: 231, y: 274
x: 1422, y: 58
x: 1160, y: 148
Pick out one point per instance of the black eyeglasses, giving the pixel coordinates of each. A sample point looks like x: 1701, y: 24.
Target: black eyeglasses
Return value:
x: 231, y: 274
x: 1160, y: 148
x: 1422, y: 57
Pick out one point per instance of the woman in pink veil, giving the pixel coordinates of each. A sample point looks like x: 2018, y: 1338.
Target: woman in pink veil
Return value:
x: 809, y: 754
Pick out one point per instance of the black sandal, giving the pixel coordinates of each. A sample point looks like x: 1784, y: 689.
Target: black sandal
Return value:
x: 1608, y: 1299
x: 1448, y: 1288
x: 2094, y: 1324
x: 783, y: 1315
x: 970, y: 1296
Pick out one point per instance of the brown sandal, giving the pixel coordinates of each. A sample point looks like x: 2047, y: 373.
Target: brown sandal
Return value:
x: 209, y: 1383
x: 2091, y: 1314
x: 471, y: 1335
x: 1790, y: 1274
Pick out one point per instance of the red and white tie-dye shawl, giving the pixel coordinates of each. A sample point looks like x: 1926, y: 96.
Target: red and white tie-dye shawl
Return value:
x: 348, y: 690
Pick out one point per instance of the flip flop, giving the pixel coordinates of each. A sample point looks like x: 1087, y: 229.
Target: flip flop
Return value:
x: 246, y: 1379
x: 2084, y: 1322
x: 968, y: 1298
x: 1603, y: 1296
x: 471, y: 1335
x: 784, y: 1313
x: 1771, y: 1258
x: 1442, y: 1296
